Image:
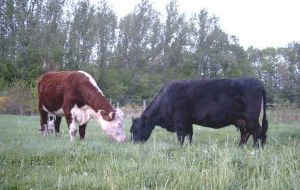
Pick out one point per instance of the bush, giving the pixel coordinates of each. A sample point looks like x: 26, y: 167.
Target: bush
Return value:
x: 20, y: 98
x: 3, y: 103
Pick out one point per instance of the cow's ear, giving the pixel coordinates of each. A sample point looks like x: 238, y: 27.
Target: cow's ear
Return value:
x: 111, y: 115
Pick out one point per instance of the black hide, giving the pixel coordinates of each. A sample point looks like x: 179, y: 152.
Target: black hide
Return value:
x: 209, y: 103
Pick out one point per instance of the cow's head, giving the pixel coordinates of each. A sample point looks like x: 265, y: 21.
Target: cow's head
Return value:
x: 113, y: 124
x: 141, y: 129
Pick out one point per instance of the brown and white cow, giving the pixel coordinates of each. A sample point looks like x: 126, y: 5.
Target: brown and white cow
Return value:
x: 75, y: 95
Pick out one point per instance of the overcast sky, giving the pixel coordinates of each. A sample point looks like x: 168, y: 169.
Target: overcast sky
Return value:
x: 261, y: 23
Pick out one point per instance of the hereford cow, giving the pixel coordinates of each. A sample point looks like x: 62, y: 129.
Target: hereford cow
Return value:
x: 210, y: 103
x: 77, y: 96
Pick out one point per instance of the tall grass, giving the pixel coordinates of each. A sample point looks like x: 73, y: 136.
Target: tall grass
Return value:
x: 213, y: 161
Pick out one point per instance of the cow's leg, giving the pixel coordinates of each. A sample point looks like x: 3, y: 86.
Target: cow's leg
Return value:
x: 180, y: 125
x: 82, y: 131
x: 57, y: 125
x: 256, y: 132
x: 180, y: 135
x: 241, y: 124
x: 43, y: 121
x: 191, y: 136
x: 191, y: 132
x: 70, y: 121
x: 244, y: 138
x: 51, y: 124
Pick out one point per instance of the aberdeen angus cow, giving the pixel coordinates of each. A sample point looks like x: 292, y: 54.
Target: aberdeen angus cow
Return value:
x: 77, y: 96
x: 210, y: 103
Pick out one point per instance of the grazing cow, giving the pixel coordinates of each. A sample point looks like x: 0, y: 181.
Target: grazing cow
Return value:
x: 210, y: 103
x: 77, y: 96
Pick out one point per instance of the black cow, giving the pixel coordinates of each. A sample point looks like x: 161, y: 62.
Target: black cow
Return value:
x: 210, y: 103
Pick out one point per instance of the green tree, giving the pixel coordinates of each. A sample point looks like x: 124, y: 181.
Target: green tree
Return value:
x: 53, y: 35
x: 106, y: 24
x: 137, y: 41
x: 81, y: 36
x: 202, y: 26
x: 175, y: 39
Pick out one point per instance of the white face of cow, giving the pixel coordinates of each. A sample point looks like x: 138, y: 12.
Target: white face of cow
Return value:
x: 115, y: 128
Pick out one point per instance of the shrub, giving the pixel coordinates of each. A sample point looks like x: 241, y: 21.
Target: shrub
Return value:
x: 19, y: 98
x: 3, y: 103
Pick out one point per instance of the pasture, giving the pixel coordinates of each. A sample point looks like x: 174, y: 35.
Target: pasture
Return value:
x: 213, y: 161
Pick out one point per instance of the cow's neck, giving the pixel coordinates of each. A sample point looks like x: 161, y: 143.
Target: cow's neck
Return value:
x: 153, y: 115
x: 103, y: 104
x: 99, y: 102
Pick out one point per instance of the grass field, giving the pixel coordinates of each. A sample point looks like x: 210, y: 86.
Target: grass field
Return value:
x: 213, y: 161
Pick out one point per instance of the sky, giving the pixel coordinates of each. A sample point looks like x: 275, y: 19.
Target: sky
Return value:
x: 257, y: 23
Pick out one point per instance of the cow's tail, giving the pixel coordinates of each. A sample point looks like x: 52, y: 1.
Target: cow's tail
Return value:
x: 264, y: 119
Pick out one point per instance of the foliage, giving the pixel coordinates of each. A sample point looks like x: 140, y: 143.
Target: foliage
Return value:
x: 213, y: 161
x: 7, y: 73
x: 133, y: 56
x: 3, y: 103
x: 20, y: 98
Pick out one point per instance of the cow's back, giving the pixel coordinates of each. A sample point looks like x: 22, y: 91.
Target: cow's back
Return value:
x: 204, y: 91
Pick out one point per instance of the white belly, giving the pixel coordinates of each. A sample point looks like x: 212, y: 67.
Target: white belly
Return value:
x: 81, y: 115
x: 58, y: 112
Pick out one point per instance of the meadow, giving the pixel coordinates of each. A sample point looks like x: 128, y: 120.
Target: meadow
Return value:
x: 213, y: 161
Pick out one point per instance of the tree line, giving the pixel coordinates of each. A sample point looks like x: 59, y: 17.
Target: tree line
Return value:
x: 133, y: 56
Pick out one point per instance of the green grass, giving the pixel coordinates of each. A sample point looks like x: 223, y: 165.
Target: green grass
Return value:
x: 213, y: 161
